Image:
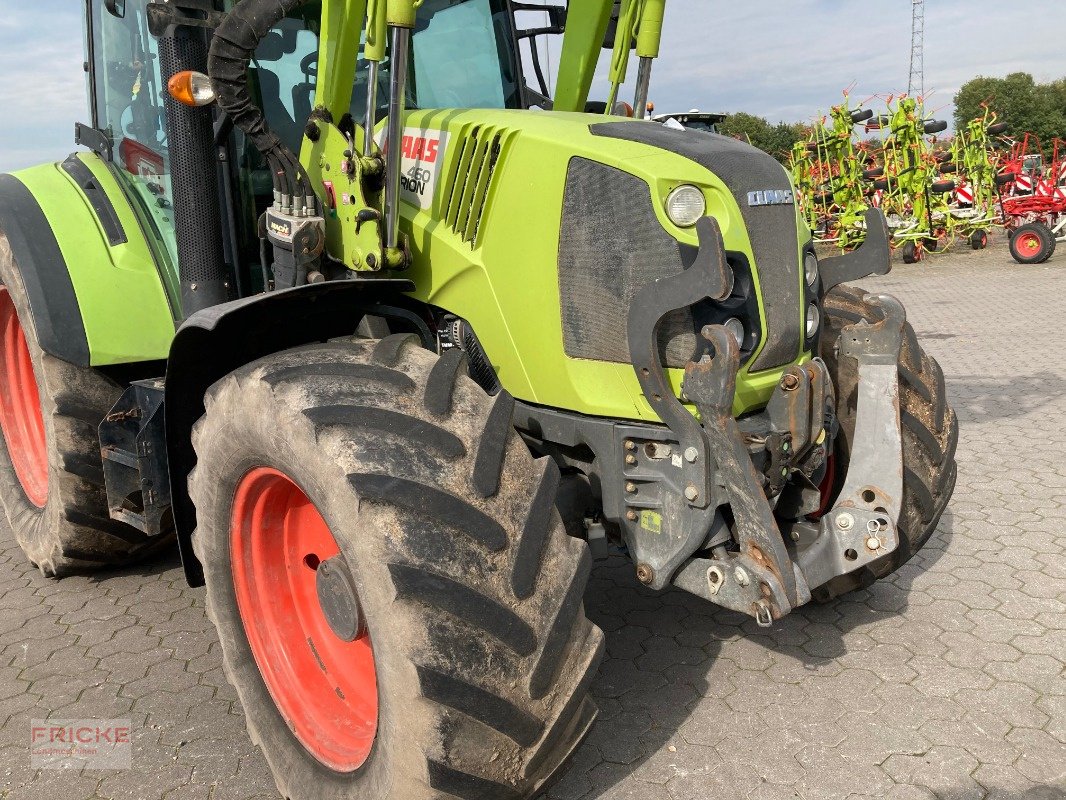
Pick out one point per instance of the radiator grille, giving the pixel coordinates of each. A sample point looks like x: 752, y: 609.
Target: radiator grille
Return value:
x: 611, y: 245
x: 471, y: 179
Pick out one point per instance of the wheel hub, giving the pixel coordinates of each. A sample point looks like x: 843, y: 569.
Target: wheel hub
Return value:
x: 336, y: 595
x: 1030, y: 242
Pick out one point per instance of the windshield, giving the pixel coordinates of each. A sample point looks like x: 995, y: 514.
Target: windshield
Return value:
x: 461, y: 57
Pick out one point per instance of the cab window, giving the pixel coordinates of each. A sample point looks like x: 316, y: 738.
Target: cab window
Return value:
x: 462, y: 56
x: 128, y: 107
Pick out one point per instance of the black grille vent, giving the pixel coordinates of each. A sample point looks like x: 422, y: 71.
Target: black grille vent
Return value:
x: 611, y: 245
x: 471, y: 180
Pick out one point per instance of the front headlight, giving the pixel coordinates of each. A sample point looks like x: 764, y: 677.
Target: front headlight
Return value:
x: 810, y: 268
x: 814, y: 319
x: 685, y: 206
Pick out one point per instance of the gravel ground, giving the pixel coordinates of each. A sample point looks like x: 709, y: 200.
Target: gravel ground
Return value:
x: 944, y: 682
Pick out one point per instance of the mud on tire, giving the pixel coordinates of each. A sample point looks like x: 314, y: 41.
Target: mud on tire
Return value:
x: 72, y: 531
x: 471, y: 589
x: 930, y: 434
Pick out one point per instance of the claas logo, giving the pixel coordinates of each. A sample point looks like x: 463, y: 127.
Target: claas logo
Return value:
x: 419, y: 148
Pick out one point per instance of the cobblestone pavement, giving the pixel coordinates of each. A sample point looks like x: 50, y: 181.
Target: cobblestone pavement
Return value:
x: 944, y: 682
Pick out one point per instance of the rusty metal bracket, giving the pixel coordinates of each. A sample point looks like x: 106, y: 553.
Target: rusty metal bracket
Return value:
x: 736, y: 582
x: 711, y: 385
x: 872, y: 257
x: 708, y: 277
x: 862, y: 525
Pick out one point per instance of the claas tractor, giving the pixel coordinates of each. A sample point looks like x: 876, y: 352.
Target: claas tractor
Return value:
x: 391, y: 344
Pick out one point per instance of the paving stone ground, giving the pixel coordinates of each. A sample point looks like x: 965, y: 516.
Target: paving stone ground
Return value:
x: 944, y: 682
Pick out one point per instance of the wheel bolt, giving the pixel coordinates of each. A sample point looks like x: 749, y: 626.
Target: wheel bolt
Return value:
x: 631, y: 459
x: 741, y: 576
x: 691, y: 454
x: 631, y: 487
x: 845, y: 521
x: 632, y: 515
x: 691, y: 492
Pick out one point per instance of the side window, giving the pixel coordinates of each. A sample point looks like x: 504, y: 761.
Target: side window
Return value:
x: 457, y: 58
x: 129, y: 106
x: 283, y: 73
x: 461, y: 57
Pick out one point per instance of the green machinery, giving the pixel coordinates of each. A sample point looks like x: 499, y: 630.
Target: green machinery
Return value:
x: 392, y: 340
x: 829, y: 176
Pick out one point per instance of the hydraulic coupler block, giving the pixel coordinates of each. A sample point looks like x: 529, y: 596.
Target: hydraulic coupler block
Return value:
x: 297, y: 242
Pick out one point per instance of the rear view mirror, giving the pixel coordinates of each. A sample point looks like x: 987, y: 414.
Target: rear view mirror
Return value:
x: 116, y: 8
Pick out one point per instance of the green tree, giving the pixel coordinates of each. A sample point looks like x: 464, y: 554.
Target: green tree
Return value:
x: 777, y: 140
x: 1020, y: 101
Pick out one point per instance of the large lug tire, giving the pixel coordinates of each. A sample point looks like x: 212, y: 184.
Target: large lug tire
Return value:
x: 930, y: 434
x: 469, y: 587
x: 51, y: 478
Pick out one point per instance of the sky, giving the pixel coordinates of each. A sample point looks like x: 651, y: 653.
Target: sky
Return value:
x: 781, y: 59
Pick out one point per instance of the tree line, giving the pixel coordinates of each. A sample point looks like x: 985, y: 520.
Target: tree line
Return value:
x: 1017, y: 99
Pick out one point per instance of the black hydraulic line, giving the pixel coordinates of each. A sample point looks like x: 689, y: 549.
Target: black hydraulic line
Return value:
x: 232, y: 48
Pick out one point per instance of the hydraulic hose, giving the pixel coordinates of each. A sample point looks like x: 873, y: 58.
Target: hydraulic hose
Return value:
x: 232, y: 48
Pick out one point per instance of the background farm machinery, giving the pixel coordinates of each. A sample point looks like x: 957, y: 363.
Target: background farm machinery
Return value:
x: 932, y: 193
x: 1033, y: 201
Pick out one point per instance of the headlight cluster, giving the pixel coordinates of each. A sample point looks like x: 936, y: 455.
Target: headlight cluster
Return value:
x: 810, y: 274
x: 685, y: 206
x: 810, y: 268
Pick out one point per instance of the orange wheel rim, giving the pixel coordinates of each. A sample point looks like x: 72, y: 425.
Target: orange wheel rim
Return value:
x: 323, y: 686
x: 21, y: 420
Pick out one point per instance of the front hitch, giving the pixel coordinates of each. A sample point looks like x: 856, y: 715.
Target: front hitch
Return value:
x: 861, y: 527
x: 759, y: 579
x: 764, y: 576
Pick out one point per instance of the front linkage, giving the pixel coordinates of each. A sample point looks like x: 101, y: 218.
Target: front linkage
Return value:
x: 771, y: 571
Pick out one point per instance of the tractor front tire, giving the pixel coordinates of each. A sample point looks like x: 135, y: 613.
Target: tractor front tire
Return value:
x: 51, y: 479
x: 930, y: 434
x: 445, y: 652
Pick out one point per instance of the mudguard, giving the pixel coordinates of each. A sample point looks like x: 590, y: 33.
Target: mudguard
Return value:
x: 215, y: 341
x: 96, y: 287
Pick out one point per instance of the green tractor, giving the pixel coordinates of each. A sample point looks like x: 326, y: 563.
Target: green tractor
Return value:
x: 393, y: 342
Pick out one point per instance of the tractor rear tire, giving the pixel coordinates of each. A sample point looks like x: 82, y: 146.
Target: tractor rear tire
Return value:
x: 930, y: 434
x: 1032, y: 243
x: 469, y: 588
x: 51, y: 478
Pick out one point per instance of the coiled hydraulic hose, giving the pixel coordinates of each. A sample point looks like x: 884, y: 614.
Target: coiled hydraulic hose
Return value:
x: 232, y: 48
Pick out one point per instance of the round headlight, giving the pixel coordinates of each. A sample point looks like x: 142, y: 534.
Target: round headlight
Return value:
x: 810, y: 268
x: 685, y: 206
x: 736, y: 327
x: 814, y: 319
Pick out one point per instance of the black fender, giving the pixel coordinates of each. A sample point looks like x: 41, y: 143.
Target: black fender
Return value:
x: 217, y: 340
